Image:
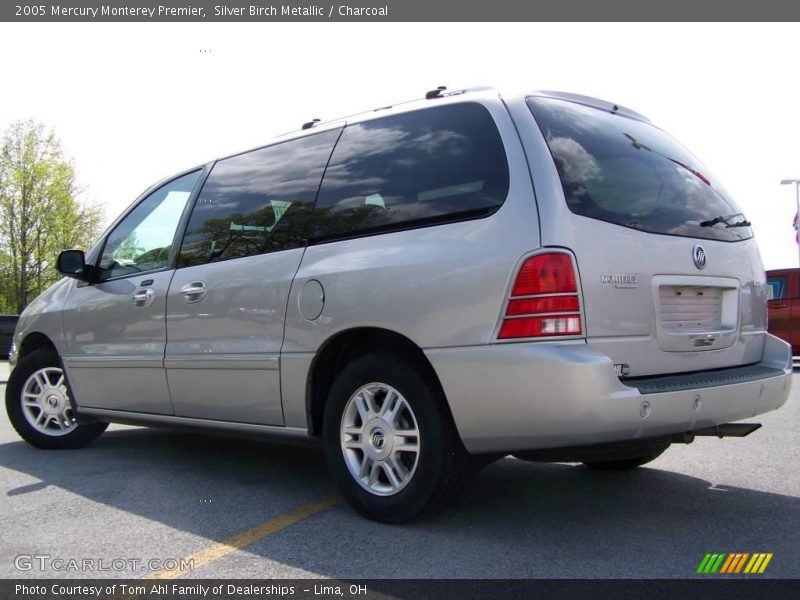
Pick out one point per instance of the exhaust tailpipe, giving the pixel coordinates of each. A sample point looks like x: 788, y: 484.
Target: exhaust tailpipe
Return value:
x: 729, y: 430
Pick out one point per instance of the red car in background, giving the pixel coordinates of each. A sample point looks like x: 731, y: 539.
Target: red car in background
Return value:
x: 783, y: 307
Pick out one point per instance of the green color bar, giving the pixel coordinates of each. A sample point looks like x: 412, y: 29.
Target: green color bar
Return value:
x: 702, y: 566
x: 718, y: 564
x: 710, y: 563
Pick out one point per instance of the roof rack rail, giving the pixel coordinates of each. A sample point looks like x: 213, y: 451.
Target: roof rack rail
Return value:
x: 437, y: 93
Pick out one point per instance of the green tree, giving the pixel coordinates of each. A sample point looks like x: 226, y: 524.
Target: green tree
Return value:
x: 130, y: 249
x: 40, y: 214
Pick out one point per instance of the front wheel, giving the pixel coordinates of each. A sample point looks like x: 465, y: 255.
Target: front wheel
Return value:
x: 39, y: 407
x: 390, y: 441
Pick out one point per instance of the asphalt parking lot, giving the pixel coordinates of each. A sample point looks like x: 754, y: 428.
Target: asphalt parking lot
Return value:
x: 144, y: 494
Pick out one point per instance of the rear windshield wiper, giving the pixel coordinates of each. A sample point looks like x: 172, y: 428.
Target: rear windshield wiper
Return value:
x: 724, y: 219
x: 742, y: 223
x: 711, y: 222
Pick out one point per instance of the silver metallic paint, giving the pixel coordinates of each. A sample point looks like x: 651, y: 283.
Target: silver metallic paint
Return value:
x: 622, y: 321
x: 444, y: 288
x: 543, y: 395
x: 114, y: 351
x: 236, y: 325
x: 134, y: 418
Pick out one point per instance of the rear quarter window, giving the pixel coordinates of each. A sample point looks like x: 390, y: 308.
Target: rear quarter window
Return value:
x: 414, y: 169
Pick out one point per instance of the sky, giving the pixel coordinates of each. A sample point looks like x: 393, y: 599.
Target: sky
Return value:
x: 135, y: 102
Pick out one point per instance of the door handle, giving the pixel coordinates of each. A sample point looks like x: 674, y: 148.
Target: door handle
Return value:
x: 781, y: 305
x: 194, y: 291
x: 143, y: 298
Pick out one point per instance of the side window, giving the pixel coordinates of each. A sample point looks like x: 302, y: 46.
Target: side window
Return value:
x: 413, y: 169
x: 776, y: 288
x: 143, y: 239
x: 257, y: 202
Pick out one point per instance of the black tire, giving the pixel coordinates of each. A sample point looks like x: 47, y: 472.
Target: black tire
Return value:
x: 79, y: 436
x: 443, y: 466
x: 621, y: 465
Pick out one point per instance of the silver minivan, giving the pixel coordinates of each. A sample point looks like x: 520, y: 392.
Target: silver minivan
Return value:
x: 424, y: 288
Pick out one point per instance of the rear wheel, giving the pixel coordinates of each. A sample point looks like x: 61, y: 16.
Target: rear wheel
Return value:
x: 390, y: 442
x: 39, y: 407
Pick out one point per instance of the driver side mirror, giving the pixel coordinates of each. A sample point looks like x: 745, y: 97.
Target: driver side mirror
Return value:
x: 72, y: 263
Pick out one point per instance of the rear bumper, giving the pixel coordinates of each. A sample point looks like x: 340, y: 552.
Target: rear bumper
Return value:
x: 510, y: 397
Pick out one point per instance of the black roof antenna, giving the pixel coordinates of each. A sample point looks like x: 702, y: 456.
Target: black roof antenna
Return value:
x: 310, y: 124
x: 437, y: 93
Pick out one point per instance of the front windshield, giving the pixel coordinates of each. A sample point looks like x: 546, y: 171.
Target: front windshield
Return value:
x: 628, y: 172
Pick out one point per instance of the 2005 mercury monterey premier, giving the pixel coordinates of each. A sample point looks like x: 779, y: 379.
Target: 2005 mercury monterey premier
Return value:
x: 424, y: 287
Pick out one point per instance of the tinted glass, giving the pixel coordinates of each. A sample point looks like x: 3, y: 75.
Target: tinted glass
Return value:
x: 415, y: 168
x: 627, y: 172
x: 776, y: 288
x: 257, y: 202
x: 142, y: 241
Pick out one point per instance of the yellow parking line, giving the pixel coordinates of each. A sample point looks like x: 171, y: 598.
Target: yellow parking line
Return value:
x: 239, y: 541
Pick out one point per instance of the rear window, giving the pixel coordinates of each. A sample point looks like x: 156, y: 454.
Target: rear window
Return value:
x: 628, y: 172
x: 413, y: 169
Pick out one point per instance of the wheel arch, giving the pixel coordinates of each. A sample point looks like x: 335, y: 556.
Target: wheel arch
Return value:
x: 347, y: 345
x: 35, y: 340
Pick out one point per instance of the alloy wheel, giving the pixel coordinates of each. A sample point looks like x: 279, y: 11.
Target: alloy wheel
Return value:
x: 380, y: 439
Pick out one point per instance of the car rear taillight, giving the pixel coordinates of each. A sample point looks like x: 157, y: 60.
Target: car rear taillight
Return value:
x: 544, y: 299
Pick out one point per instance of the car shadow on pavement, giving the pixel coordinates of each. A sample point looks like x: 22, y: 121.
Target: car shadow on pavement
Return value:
x: 517, y: 519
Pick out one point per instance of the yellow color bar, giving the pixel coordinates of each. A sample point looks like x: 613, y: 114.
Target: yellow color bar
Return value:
x: 764, y: 564
x: 751, y: 564
x: 759, y: 559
